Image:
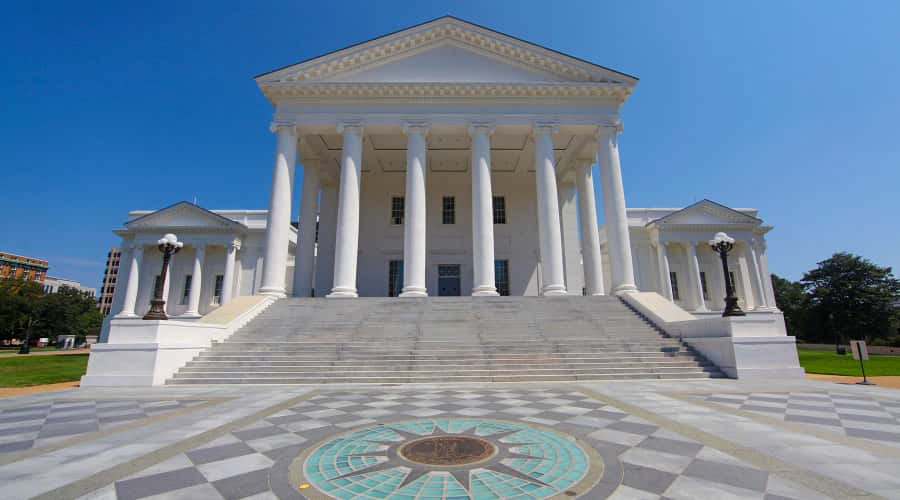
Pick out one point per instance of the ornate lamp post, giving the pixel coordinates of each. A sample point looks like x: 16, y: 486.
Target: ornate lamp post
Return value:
x: 169, y: 246
x: 722, y: 244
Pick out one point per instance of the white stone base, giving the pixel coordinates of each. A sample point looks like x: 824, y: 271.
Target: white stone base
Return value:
x: 744, y: 347
x: 751, y: 357
x: 148, y: 352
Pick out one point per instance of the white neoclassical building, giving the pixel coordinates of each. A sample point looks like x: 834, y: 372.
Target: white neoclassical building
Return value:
x: 446, y: 159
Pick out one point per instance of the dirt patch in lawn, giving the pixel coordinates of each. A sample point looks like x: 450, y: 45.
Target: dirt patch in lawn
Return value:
x: 893, y: 381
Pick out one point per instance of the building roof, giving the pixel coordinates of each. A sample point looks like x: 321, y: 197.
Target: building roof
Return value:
x: 448, y: 19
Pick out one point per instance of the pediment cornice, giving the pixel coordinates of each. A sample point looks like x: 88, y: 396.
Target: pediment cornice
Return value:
x: 446, y: 90
x: 445, y: 30
x: 184, y: 216
x: 705, y: 214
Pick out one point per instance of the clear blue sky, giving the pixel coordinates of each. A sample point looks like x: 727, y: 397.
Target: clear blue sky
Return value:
x: 790, y: 107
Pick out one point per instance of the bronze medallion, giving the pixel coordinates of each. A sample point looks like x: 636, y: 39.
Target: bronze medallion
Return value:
x: 448, y: 450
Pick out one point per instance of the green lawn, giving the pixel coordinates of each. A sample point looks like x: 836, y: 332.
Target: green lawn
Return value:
x: 25, y: 370
x: 829, y: 363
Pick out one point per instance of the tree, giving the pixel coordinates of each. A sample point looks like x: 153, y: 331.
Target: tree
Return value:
x: 850, y: 297
x: 69, y: 311
x: 20, y: 307
x: 26, y: 313
x: 792, y: 299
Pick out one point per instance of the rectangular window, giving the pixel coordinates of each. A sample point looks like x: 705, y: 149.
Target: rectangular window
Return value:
x: 499, y: 210
x: 448, y: 211
x: 187, y: 289
x: 217, y: 290
x: 395, y: 277
x: 501, y: 276
x: 703, y: 285
x: 673, y: 278
x: 397, y: 206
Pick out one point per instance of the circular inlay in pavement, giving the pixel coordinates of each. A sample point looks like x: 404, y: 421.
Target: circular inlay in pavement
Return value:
x: 449, y: 458
x: 447, y: 450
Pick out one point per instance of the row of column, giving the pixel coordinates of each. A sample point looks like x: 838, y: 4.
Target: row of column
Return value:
x: 756, y: 272
x: 132, y: 284
x: 346, y: 248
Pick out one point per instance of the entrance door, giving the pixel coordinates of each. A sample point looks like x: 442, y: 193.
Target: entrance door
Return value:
x: 448, y: 280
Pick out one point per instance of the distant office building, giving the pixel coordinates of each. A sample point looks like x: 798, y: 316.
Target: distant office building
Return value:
x: 108, y: 288
x: 52, y: 285
x: 18, y: 266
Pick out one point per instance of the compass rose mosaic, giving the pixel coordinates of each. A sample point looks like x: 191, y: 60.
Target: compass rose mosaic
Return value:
x: 450, y: 458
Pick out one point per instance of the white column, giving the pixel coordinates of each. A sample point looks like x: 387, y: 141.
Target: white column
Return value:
x: 548, y: 211
x: 306, y: 244
x: 616, y: 219
x: 766, y: 277
x: 665, y: 283
x: 193, y: 310
x: 131, y: 286
x: 482, y: 212
x: 324, y: 273
x: 346, y: 248
x: 697, y: 287
x: 759, y: 292
x: 590, y: 234
x: 743, y: 262
x: 414, y: 215
x: 279, y: 219
x: 228, y: 278
x: 573, y: 271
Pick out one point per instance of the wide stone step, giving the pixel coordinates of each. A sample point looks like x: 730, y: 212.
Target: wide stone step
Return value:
x: 519, y: 362
x: 439, y: 340
x: 380, y: 370
x: 443, y: 379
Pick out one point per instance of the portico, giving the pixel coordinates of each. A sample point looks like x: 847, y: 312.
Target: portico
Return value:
x: 465, y: 172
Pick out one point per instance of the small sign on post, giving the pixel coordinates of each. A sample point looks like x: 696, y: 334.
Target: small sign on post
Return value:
x: 862, y: 354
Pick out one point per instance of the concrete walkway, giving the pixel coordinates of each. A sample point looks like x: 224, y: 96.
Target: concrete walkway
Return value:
x: 634, y: 439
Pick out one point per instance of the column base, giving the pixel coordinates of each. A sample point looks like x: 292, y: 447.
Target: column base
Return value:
x: 626, y: 289
x: 342, y: 293
x: 485, y: 291
x: 126, y: 316
x: 413, y: 292
x: 597, y: 294
x: 275, y: 292
x: 189, y: 315
x: 554, y: 291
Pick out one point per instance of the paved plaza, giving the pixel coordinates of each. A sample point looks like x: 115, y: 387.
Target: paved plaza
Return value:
x: 666, y: 439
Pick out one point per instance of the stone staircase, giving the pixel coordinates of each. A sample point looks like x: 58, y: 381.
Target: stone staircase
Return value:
x: 444, y: 339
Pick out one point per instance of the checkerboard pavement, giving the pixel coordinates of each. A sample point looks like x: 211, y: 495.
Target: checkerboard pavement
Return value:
x: 854, y: 415
x: 47, y: 423
x: 253, y: 462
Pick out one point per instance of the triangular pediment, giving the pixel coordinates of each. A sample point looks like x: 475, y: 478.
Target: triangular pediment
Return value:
x: 184, y: 215
x: 446, y: 50
x: 706, y: 213
x: 450, y: 63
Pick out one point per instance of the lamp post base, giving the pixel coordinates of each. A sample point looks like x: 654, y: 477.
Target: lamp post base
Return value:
x: 732, y: 308
x: 157, y: 310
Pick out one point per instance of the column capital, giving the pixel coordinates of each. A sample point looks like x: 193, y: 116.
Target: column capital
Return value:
x: 200, y: 249
x: 486, y: 128
x: 136, y: 247
x: 547, y: 127
x: 605, y: 129
x: 350, y: 127
x: 233, y: 244
x: 416, y: 127
x: 289, y: 127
